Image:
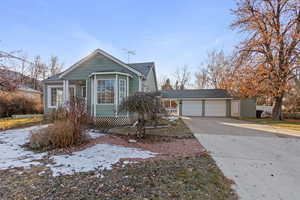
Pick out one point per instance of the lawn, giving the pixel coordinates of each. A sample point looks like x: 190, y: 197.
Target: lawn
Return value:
x: 109, y: 167
x: 180, y: 178
x: 289, y: 124
x: 15, y: 123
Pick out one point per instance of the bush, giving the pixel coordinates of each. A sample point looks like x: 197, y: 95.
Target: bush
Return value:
x: 146, y: 105
x: 69, y: 127
x: 12, y: 104
x: 59, y: 135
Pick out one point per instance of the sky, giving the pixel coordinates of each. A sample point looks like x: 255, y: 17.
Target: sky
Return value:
x: 172, y: 33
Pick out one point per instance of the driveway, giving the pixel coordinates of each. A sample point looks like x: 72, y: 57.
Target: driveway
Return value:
x: 263, y: 161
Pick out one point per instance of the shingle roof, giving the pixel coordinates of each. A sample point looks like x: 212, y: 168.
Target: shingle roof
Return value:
x: 143, y: 68
x: 53, y: 78
x: 197, y: 93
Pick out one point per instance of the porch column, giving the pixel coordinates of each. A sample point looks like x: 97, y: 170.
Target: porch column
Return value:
x: 117, y: 94
x: 66, y: 91
x: 127, y: 92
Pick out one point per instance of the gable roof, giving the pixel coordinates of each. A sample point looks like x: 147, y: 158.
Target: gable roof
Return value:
x: 197, y: 93
x: 53, y: 78
x: 99, y: 51
x: 143, y: 68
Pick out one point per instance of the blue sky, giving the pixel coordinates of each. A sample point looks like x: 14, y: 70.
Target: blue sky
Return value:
x: 172, y: 33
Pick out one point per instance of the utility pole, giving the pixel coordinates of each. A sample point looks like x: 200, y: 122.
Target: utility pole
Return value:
x: 129, y: 52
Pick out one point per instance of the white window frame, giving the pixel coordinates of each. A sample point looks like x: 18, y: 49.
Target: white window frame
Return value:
x: 49, y: 93
x: 119, y: 89
x: 85, y: 91
x: 96, y: 89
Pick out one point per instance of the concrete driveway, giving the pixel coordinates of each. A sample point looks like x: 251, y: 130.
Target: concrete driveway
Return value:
x: 263, y: 161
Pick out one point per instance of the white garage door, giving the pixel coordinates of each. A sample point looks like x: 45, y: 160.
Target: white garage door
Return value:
x: 215, y: 108
x: 192, y: 108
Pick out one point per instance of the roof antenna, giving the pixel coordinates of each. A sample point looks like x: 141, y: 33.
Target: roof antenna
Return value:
x: 129, y: 52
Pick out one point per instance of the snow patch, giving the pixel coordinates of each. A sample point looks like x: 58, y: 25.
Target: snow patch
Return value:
x: 99, y: 156
x: 12, y: 154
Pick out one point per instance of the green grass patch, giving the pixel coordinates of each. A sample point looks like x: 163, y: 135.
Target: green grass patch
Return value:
x: 16, y: 123
x: 289, y: 124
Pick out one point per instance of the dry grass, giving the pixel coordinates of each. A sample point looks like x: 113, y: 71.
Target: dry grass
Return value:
x: 181, y: 178
x: 288, y: 124
x: 59, y: 135
x: 175, y: 128
x: 14, y: 123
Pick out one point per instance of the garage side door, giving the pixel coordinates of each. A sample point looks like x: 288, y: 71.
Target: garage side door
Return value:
x: 192, y: 108
x: 215, y: 108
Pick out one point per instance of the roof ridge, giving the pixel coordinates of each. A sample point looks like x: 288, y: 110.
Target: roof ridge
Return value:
x: 152, y: 62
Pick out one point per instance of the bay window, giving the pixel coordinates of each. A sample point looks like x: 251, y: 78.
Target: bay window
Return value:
x: 106, y: 91
x: 122, y: 90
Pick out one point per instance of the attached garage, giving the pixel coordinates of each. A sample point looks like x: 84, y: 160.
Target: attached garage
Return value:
x: 200, y: 103
x: 215, y: 108
x: 192, y: 108
x: 209, y: 103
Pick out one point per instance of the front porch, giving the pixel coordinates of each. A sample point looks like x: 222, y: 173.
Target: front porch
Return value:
x: 103, y: 93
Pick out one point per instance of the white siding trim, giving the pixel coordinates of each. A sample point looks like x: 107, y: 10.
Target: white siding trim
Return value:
x: 117, y: 94
x: 140, y: 84
x: 127, y: 93
x: 95, y: 95
x: 113, y: 73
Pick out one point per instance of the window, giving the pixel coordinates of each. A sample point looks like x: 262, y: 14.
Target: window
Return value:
x: 298, y: 74
x: 106, y: 92
x: 83, y: 90
x: 71, y: 92
x: 122, y: 90
x: 56, y: 97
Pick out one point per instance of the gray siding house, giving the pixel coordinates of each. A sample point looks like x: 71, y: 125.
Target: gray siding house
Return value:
x: 104, y: 81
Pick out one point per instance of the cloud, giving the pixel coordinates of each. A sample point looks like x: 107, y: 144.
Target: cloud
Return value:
x: 88, y: 43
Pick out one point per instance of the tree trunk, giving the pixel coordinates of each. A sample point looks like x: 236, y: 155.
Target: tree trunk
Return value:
x: 277, y: 109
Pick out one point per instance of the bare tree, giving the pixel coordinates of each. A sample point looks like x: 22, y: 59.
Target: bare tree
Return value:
x: 202, y: 78
x: 271, y: 47
x: 9, y: 80
x: 166, y: 85
x: 215, y: 71
x: 38, y: 71
x: 55, y: 67
x: 182, y: 78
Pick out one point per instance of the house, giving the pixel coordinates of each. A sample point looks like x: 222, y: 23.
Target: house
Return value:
x: 207, y: 103
x: 104, y: 81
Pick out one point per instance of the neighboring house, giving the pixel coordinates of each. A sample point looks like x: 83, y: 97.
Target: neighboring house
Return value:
x: 30, y: 93
x: 20, y: 80
x: 104, y: 81
x: 207, y: 103
x: 22, y: 85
